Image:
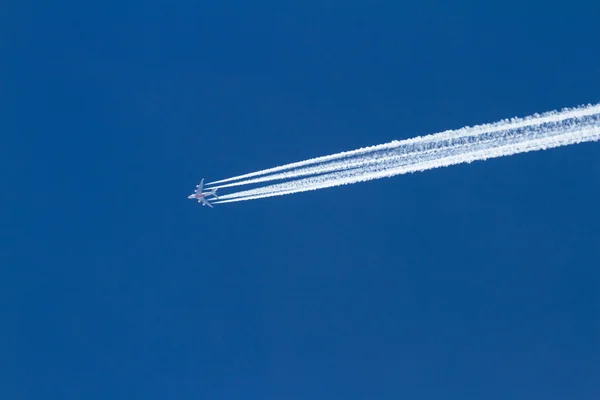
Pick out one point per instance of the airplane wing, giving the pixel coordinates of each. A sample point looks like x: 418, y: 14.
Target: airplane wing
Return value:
x: 206, y: 203
x: 199, y: 187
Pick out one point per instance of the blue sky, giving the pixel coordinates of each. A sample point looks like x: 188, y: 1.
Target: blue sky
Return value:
x: 469, y: 282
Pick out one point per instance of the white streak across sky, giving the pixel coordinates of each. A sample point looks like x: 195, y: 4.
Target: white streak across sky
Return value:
x: 503, y: 138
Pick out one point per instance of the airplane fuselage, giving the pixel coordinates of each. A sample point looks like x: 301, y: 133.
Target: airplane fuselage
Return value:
x: 202, y: 197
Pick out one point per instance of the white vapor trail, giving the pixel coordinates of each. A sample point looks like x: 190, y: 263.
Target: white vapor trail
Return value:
x: 507, y: 137
x: 317, y: 169
x: 514, y: 123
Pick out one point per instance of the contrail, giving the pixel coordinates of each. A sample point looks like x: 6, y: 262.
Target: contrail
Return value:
x: 345, y: 164
x: 337, y: 179
x: 514, y: 123
x: 508, y: 137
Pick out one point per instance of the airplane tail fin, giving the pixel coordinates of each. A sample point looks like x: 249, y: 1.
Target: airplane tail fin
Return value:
x: 214, y: 192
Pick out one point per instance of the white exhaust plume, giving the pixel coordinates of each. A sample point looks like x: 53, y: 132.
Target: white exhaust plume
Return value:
x: 313, y: 170
x: 507, y: 137
x: 514, y: 123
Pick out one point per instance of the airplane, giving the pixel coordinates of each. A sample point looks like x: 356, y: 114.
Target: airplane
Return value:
x: 202, y: 196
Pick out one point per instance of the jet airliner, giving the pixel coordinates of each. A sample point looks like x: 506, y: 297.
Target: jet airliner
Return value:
x: 202, y: 196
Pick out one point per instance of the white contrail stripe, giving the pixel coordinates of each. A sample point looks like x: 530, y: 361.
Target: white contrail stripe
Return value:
x: 331, y: 180
x: 406, y: 150
x: 544, y: 134
x: 445, y: 148
x: 355, y: 162
x: 514, y: 123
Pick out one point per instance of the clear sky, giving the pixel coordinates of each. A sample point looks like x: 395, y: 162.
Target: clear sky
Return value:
x: 476, y: 281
